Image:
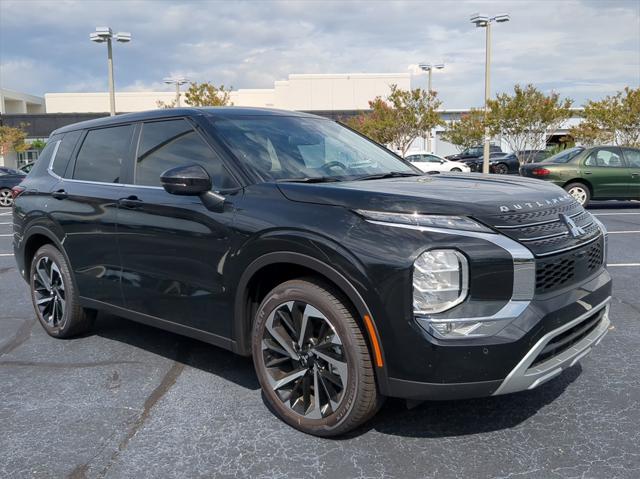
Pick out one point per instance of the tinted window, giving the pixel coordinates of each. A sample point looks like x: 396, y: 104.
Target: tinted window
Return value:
x: 289, y: 147
x: 633, y: 157
x: 605, y: 157
x: 63, y: 155
x: 167, y: 144
x: 102, y: 154
x: 564, y: 156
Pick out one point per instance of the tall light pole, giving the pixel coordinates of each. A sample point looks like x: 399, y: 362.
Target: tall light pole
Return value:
x: 102, y: 35
x: 428, y: 67
x: 485, y: 21
x: 177, y: 82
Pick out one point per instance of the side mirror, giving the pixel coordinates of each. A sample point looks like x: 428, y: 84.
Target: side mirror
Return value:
x: 188, y: 180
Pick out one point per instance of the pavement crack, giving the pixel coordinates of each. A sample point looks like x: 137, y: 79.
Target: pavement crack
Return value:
x: 169, y: 379
x: 23, y: 333
x: 52, y: 365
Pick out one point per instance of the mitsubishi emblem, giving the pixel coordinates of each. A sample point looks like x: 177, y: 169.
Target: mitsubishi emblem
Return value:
x: 574, y: 230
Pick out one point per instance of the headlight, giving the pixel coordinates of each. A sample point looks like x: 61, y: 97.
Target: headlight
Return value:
x: 434, y: 221
x: 440, y: 281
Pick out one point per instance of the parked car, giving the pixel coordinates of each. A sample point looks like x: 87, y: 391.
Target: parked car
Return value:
x: 8, y: 179
x: 27, y: 168
x: 532, y: 156
x: 428, y: 162
x: 473, y: 152
x: 599, y: 173
x: 507, y: 164
x: 346, y: 273
x: 475, y: 164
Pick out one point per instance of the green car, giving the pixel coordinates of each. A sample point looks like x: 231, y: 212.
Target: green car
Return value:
x: 598, y: 173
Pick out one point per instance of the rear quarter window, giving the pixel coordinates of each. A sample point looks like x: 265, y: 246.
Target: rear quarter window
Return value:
x: 103, y: 153
x: 65, y: 149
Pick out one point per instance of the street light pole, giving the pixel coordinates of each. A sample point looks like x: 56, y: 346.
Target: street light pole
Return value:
x: 484, y: 21
x: 177, y: 82
x: 105, y: 35
x: 427, y: 67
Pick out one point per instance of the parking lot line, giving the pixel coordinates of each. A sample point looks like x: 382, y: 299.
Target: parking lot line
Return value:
x: 615, y: 214
x: 6, y: 223
x: 7, y: 235
x: 623, y: 232
x: 623, y: 264
x: 6, y: 254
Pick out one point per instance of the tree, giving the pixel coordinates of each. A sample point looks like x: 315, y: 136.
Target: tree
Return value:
x: 524, y: 118
x: 614, y: 120
x: 12, y: 138
x: 468, y: 131
x: 38, y: 144
x: 207, y: 94
x: 400, y: 118
x: 416, y: 114
x: 161, y: 104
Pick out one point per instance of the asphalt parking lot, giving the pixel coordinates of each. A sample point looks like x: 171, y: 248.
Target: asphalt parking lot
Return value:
x: 133, y: 401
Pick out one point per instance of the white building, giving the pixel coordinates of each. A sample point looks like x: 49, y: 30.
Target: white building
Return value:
x: 12, y: 102
x: 307, y: 92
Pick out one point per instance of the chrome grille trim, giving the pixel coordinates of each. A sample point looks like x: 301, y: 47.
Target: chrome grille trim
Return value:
x: 539, y: 223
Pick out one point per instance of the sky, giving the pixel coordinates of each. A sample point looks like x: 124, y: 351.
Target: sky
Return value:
x: 582, y: 49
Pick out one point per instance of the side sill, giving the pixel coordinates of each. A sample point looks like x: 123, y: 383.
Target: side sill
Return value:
x: 170, y: 326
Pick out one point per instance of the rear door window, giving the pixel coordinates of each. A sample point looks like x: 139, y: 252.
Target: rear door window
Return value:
x: 633, y: 157
x: 605, y: 157
x: 102, y: 154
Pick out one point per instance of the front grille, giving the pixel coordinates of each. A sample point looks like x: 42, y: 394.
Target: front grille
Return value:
x: 543, y: 231
x: 572, y: 336
x: 566, y: 268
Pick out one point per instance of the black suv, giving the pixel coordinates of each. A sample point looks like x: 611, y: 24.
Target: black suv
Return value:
x: 473, y: 152
x: 347, y: 274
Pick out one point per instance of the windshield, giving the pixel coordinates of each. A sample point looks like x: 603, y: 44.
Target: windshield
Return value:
x: 290, y: 148
x: 564, y: 156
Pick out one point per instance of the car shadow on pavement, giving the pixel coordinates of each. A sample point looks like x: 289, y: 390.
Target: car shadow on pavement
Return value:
x: 191, y: 352
x: 437, y: 419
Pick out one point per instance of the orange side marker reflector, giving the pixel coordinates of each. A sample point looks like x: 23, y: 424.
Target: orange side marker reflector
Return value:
x: 374, y: 340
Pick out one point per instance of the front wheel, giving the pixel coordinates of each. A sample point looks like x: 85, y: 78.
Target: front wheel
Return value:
x: 6, y: 197
x: 580, y: 192
x: 457, y: 170
x: 312, y: 360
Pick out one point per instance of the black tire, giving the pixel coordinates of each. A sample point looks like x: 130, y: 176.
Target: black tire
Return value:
x: 356, y: 401
x: 64, y: 317
x: 501, y: 169
x: 6, y: 197
x: 458, y: 170
x: 580, y: 192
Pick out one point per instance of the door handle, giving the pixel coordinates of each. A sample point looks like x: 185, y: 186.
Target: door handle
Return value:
x: 635, y: 175
x: 587, y: 172
x: 130, y: 202
x: 59, y: 194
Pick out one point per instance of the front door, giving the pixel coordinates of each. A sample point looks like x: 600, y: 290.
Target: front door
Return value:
x: 606, y: 170
x: 173, y: 248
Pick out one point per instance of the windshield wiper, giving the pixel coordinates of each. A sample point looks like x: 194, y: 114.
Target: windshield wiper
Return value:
x: 390, y: 174
x: 310, y: 179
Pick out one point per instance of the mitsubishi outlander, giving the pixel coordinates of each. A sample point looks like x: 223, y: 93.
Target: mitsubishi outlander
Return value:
x: 346, y: 273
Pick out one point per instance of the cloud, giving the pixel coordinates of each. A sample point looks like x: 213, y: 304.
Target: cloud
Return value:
x: 583, y: 49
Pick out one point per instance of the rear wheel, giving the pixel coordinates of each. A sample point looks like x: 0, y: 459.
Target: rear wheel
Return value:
x: 580, y: 192
x: 501, y: 169
x: 6, y: 197
x: 312, y: 360
x: 54, y: 296
x: 456, y: 169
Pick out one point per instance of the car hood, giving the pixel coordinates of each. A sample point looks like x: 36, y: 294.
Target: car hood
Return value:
x: 476, y: 195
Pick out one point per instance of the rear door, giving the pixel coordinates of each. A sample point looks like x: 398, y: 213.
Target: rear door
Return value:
x: 173, y: 248
x: 632, y: 155
x: 84, y: 204
x: 605, y: 168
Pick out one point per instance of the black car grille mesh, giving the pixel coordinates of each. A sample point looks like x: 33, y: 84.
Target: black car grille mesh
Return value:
x: 572, y: 336
x: 562, y: 270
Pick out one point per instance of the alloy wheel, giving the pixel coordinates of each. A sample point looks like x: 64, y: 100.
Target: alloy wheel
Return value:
x: 305, y: 361
x: 579, y: 194
x: 49, y: 291
x: 501, y: 169
x: 6, y: 198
